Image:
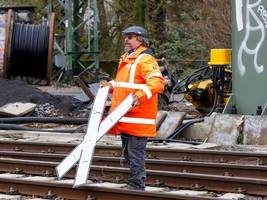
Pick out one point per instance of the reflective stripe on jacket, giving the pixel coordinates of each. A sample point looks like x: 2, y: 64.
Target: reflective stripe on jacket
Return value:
x: 138, y: 73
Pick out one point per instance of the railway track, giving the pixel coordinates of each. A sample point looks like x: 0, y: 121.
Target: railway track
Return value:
x: 175, y: 169
x: 250, y: 170
x: 157, y: 178
x: 49, y: 188
x: 219, y: 156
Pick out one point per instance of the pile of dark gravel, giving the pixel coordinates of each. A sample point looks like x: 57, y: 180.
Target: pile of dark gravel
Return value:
x: 12, y: 91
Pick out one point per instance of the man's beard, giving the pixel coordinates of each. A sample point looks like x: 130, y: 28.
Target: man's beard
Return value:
x: 127, y: 47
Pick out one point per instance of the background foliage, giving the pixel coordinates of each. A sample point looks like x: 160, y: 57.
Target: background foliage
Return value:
x: 181, y: 31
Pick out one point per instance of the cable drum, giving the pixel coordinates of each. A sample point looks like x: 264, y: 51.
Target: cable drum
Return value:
x: 29, y: 50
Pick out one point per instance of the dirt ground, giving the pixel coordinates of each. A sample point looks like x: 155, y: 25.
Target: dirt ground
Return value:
x: 47, y: 104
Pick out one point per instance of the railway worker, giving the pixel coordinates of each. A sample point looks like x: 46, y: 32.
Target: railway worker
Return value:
x: 138, y: 73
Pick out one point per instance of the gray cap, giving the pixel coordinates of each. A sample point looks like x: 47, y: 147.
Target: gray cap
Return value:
x: 138, y: 30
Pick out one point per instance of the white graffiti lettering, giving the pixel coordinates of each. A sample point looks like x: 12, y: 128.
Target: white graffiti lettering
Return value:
x: 263, y: 14
x: 239, y: 16
x: 250, y: 29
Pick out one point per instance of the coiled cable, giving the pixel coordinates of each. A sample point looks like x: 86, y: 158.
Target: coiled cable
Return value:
x: 29, y: 50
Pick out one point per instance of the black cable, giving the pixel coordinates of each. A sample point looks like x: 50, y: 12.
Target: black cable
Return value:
x: 18, y: 127
x: 218, y: 80
x: 29, y: 51
x: 177, y: 132
x: 159, y: 140
x: 18, y: 120
x: 215, y: 102
x: 182, y: 127
x: 187, y: 80
x: 193, y: 77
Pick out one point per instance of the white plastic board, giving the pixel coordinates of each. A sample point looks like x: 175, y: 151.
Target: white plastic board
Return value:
x: 84, y: 151
x: 92, y: 130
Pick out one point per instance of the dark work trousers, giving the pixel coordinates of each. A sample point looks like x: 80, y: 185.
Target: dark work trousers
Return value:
x: 134, y: 152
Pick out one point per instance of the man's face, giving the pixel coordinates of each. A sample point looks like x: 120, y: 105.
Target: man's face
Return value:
x: 131, y: 42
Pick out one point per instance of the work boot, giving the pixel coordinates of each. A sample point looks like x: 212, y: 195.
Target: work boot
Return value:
x: 131, y: 187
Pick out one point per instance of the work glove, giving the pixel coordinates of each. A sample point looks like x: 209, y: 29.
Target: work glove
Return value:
x: 136, y: 101
x: 104, y: 84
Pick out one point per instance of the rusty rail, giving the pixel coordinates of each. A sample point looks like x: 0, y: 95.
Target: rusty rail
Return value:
x: 219, y: 156
x: 216, y: 183
x: 251, y: 169
x: 59, y: 189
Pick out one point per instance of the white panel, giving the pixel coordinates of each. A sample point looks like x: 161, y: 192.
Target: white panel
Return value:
x: 92, y: 129
x: 87, y: 154
x: 115, y: 116
x: 84, y: 164
x: 239, y: 14
x: 90, y: 138
x: 84, y: 151
x: 69, y: 161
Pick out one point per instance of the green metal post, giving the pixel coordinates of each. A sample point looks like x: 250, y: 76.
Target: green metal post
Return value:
x: 69, y: 38
x: 49, y: 8
x: 96, y: 48
x: 249, y: 63
x: 75, y: 25
x: 76, y: 34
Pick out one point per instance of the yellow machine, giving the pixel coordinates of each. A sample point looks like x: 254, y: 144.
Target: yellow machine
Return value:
x: 200, y: 94
x: 209, y: 87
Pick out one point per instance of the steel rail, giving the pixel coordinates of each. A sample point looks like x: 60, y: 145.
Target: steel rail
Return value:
x: 59, y: 189
x: 219, y: 156
x: 249, y: 170
x: 216, y: 183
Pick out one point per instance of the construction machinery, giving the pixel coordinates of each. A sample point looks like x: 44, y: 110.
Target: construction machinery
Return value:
x: 237, y: 83
x: 243, y: 120
x: 208, y: 88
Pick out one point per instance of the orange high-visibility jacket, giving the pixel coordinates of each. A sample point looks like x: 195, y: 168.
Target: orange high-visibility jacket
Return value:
x: 138, y: 73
